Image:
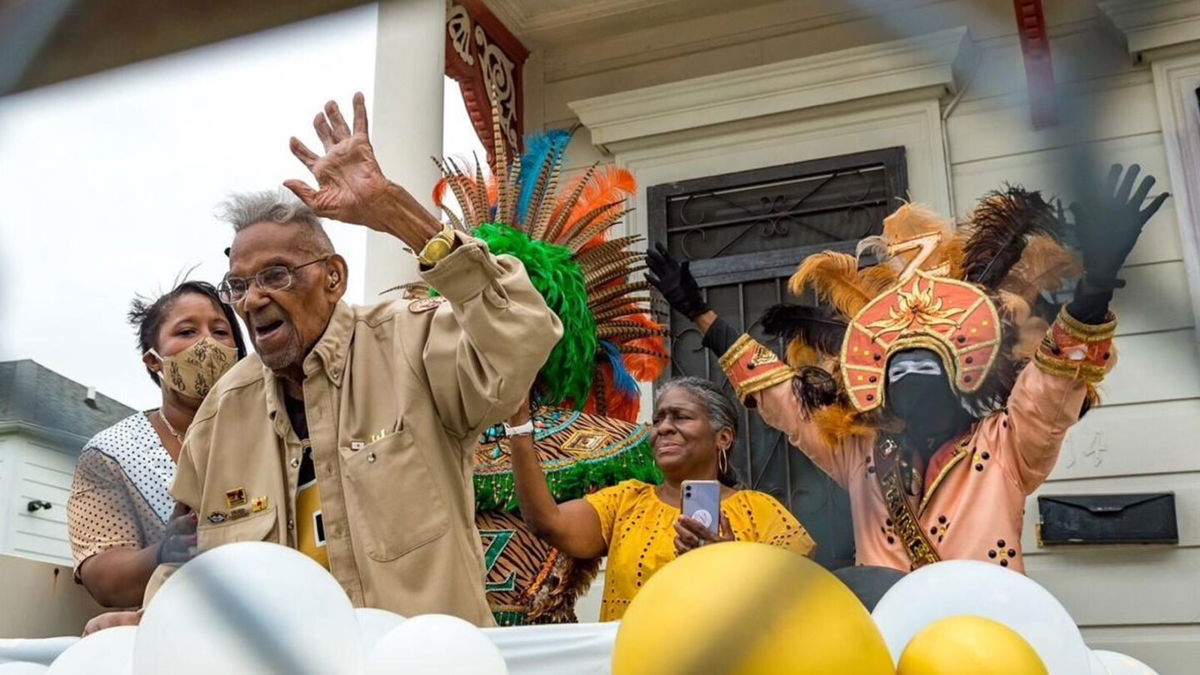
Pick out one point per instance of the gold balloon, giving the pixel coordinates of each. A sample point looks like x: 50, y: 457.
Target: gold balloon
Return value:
x: 969, y: 644
x: 741, y: 608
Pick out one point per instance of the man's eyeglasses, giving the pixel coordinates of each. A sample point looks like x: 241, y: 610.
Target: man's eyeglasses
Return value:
x: 273, y: 278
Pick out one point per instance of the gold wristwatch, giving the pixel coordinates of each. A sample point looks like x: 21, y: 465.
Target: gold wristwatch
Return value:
x: 438, y: 247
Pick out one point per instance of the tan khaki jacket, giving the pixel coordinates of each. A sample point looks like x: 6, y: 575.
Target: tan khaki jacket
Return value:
x: 396, y: 397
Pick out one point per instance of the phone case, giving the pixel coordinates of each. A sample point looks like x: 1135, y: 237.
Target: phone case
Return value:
x: 702, y: 502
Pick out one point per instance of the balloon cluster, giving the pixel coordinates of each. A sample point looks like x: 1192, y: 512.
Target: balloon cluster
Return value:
x: 751, y: 609
x: 221, y: 613
x: 734, y: 609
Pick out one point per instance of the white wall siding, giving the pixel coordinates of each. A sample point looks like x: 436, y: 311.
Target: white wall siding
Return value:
x: 35, y: 471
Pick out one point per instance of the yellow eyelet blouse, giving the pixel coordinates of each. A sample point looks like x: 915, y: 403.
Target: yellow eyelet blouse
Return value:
x: 639, y: 529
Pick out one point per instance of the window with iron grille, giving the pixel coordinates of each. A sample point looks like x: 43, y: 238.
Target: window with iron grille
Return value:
x: 745, y: 233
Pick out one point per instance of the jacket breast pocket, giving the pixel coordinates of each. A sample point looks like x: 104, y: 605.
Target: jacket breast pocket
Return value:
x: 256, y: 527
x: 391, y: 497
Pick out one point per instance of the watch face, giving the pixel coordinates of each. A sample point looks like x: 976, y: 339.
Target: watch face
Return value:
x: 436, y: 249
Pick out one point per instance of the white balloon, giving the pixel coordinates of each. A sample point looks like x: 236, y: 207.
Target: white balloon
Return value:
x: 436, y: 644
x: 1098, y: 667
x: 105, y: 652
x: 958, y: 587
x: 249, y: 608
x: 374, y: 624
x: 22, y: 668
x: 1120, y: 664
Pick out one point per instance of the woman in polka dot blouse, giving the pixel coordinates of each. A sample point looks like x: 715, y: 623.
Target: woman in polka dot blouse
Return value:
x: 120, y: 516
x: 639, y: 526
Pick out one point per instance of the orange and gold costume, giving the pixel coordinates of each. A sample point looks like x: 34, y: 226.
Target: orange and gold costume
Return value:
x: 1024, y: 381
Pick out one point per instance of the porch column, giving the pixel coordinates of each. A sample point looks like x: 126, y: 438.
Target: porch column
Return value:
x: 406, y: 121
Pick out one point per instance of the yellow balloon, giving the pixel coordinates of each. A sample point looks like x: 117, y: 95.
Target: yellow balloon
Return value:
x: 969, y: 644
x: 741, y: 608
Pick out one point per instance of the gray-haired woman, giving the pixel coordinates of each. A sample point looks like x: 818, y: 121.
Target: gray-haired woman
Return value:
x: 639, y: 526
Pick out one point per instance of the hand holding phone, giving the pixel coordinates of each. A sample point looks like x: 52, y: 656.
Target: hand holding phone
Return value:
x: 702, y: 503
x: 701, y: 521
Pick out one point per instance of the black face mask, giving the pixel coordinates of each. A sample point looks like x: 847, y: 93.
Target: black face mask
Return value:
x: 925, y: 402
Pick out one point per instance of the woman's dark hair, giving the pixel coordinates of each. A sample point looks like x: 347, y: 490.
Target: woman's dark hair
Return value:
x: 722, y: 414
x: 147, y: 316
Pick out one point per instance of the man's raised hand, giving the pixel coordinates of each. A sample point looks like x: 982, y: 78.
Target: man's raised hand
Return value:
x: 350, y: 185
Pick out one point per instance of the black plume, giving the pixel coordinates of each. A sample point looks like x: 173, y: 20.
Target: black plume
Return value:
x: 1002, y: 222
x: 817, y: 327
x: 815, y: 388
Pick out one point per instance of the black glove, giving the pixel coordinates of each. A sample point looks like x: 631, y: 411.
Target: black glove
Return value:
x: 1107, y: 227
x: 675, y: 282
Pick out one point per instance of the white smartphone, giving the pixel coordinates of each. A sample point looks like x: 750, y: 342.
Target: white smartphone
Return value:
x: 702, y: 503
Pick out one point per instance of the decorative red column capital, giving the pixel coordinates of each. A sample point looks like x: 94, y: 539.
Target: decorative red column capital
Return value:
x: 1039, y: 69
x: 486, y: 60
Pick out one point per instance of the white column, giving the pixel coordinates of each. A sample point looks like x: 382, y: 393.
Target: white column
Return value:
x: 406, y: 121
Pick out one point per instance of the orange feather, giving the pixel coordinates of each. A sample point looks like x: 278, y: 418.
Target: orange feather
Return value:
x: 834, y: 277
x: 607, y: 185
x: 840, y: 423
x: 439, y: 192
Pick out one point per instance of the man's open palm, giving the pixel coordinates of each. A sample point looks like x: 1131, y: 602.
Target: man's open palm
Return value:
x: 349, y: 180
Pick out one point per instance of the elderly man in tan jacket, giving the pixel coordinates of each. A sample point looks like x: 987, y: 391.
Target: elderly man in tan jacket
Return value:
x: 349, y: 434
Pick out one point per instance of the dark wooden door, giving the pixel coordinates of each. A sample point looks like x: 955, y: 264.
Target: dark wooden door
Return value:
x: 746, y: 232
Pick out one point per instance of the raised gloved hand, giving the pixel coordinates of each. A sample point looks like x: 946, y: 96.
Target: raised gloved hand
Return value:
x: 1107, y: 227
x: 675, y: 282
x: 1109, y: 224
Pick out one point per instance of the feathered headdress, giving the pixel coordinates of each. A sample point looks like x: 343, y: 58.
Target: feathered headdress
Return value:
x: 587, y: 391
x: 610, y: 340
x: 965, y: 293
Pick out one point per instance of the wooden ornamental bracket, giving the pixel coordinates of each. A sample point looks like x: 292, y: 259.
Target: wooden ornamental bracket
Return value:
x: 1039, y: 69
x: 486, y: 60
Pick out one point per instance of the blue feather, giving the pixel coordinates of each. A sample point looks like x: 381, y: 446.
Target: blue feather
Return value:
x: 622, y: 380
x: 540, y: 150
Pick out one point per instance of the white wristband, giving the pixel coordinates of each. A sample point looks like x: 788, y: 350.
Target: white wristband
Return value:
x: 520, y: 430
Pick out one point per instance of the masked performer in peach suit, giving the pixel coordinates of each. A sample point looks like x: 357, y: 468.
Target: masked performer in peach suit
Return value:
x: 926, y: 385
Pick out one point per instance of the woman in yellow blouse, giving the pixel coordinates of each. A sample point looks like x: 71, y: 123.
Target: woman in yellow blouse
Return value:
x: 639, y: 526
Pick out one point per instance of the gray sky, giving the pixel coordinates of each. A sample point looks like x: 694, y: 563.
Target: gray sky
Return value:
x: 110, y: 183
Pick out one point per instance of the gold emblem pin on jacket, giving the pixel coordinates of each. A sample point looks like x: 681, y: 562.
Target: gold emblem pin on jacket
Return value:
x: 235, y: 497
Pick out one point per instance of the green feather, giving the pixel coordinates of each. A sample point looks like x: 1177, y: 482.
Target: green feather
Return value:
x: 567, y: 374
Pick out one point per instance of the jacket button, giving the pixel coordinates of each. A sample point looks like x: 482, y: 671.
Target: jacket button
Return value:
x: 371, y: 457
x: 291, y: 524
x: 295, y: 462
